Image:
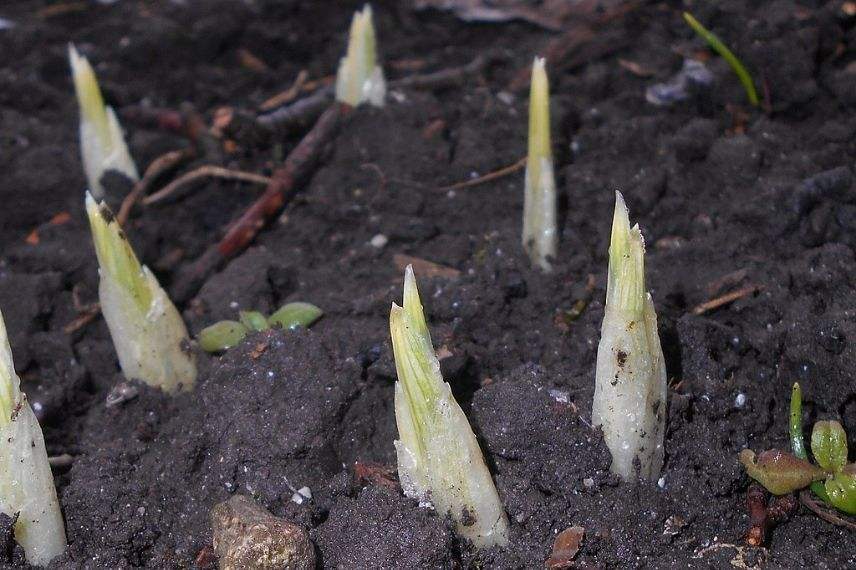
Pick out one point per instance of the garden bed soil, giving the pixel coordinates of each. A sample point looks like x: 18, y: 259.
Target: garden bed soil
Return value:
x: 728, y: 197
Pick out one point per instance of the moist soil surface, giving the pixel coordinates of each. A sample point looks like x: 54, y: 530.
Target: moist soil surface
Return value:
x: 730, y: 198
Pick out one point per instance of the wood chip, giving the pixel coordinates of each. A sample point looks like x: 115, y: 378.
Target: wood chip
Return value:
x: 565, y: 548
x: 725, y: 299
x: 424, y: 268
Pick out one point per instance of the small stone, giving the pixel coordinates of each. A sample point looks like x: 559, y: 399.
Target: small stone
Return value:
x: 740, y: 400
x: 673, y: 525
x: 302, y: 495
x: 247, y: 536
x: 379, y: 241
x: 588, y: 482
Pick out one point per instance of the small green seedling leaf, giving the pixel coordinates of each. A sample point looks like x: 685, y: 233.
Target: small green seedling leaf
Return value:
x: 720, y: 48
x: 842, y: 489
x: 293, y: 315
x: 797, y: 441
x: 253, y: 320
x: 780, y: 472
x: 222, y: 335
x: 829, y: 445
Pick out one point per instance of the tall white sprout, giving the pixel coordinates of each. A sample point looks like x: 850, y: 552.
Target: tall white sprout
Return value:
x: 630, y: 383
x: 439, y: 459
x: 102, y: 143
x: 150, y: 338
x: 540, y: 235
x: 26, y: 483
x: 360, y: 78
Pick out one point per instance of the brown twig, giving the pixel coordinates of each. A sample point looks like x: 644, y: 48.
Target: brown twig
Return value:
x: 207, y: 171
x: 763, y: 517
x: 168, y: 120
x: 444, y: 78
x: 504, y: 171
x: 725, y: 299
x: 159, y: 166
x: 424, y: 268
x: 82, y: 320
x: 284, y: 183
x: 286, y: 96
x: 828, y: 515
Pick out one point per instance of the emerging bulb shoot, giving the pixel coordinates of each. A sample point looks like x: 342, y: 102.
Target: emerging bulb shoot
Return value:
x: 439, y: 459
x: 102, y: 143
x: 540, y: 235
x: 150, y: 338
x: 360, y: 79
x: 630, y: 382
x: 26, y: 482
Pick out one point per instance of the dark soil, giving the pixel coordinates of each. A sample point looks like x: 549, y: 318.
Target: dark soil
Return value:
x: 727, y: 197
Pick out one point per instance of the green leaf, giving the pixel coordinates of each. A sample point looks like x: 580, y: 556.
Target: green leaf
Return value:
x: 780, y: 472
x: 221, y: 335
x: 842, y: 489
x: 293, y: 315
x: 253, y: 320
x: 829, y: 445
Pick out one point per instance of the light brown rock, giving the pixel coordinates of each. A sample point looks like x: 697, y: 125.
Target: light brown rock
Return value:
x: 248, y: 537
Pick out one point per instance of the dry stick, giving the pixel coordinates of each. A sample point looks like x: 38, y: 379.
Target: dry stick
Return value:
x: 203, y: 172
x: 827, y: 515
x: 505, y: 171
x: 288, y: 95
x: 283, y: 184
x: 158, y: 166
x: 725, y: 299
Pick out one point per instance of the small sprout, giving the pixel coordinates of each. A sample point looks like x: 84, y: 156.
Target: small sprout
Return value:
x: 360, y: 78
x: 834, y: 481
x: 439, y: 459
x: 540, y: 235
x: 829, y: 445
x: 293, y: 315
x: 102, y: 143
x: 253, y: 320
x: 780, y: 472
x: 630, y: 381
x: 221, y: 335
x: 147, y: 330
x: 226, y: 334
x: 842, y: 489
x: 736, y: 65
x: 26, y: 482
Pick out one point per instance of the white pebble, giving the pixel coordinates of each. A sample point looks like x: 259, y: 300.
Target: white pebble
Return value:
x: 301, y: 495
x: 740, y: 400
x: 661, y: 482
x: 379, y: 241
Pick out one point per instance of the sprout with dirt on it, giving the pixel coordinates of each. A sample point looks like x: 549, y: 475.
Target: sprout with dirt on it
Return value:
x: 150, y: 338
x: 360, y: 79
x: 540, y: 234
x: 439, y: 459
x: 720, y: 48
x: 226, y: 334
x: 630, y: 382
x: 27, y: 492
x: 832, y: 479
x: 102, y: 143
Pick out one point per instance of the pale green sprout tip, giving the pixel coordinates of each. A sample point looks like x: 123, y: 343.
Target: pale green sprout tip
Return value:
x: 540, y: 234
x: 360, y: 79
x: 102, y: 143
x: 630, y: 381
x: 26, y: 482
x: 440, y: 462
x: 148, y: 333
x: 295, y: 314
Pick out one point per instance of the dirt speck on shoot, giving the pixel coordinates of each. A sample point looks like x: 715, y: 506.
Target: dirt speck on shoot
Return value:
x: 360, y: 79
x: 540, y: 234
x: 102, y: 144
x: 147, y: 331
x: 439, y: 459
x: 630, y: 381
x: 26, y: 482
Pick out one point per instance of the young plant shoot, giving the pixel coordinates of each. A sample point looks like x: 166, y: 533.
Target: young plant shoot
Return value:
x: 439, y: 459
x: 630, y: 383
x: 360, y: 79
x: 102, y: 143
x: 226, y: 334
x: 540, y: 235
x: 26, y: 482
x: 148, y: 333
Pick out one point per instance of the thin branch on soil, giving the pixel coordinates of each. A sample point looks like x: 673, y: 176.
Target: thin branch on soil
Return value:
x: 207, y: 171
x: 826, y: 514
x: 725, y: 299
x: 159, y: 166
x: 288, y: 95
x: 505, y: 171
x: 444, y: 78
x: 83, y: 320
x: 284, y: 183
